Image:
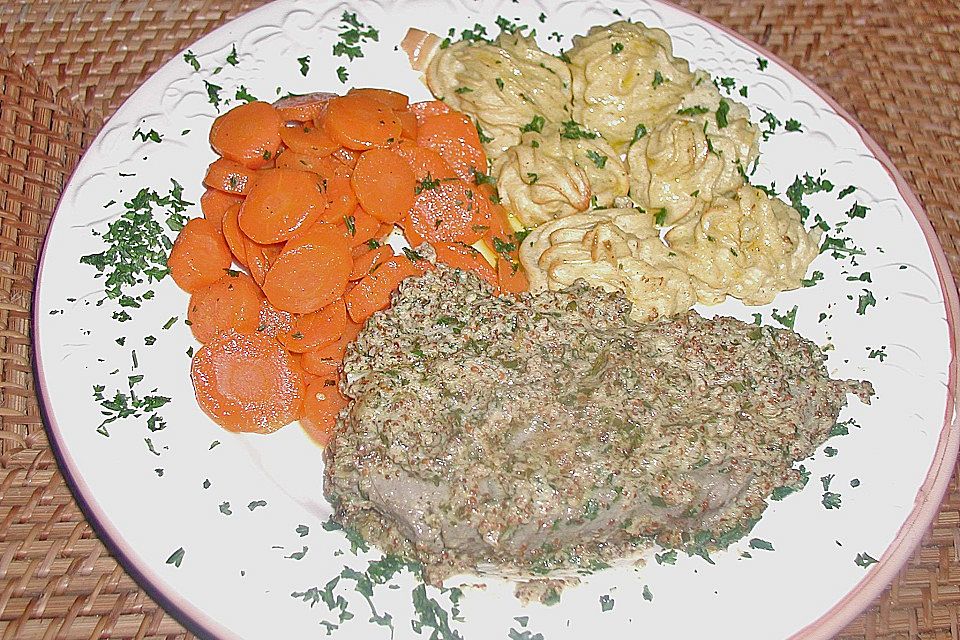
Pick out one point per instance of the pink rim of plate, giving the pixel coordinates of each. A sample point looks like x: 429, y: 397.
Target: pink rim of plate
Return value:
x: 926, y: 503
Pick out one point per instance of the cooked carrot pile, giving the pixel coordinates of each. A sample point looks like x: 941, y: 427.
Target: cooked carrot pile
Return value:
x: 289, y: 259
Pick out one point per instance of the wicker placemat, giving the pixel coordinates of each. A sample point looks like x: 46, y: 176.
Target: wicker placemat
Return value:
x: 66, y: 65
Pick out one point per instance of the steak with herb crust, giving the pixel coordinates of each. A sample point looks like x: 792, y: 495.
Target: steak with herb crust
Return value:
x: 551, y: 431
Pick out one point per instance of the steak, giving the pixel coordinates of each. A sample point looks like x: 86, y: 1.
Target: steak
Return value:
x: 551, y: 431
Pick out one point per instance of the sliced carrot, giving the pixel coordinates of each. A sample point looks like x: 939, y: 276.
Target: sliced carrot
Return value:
x: 452, y: 211
x: 199, y: 255
x: 326, y: 166
x: 273, y: 321
x: 247, y: 382
x: 232, y: 302
x: 321, y: 406
x: 311, y: 272
x: 359, y: 122
x: 347, y: 157
x: 304, y: 108
x: 360, y: 227
x: 394, y: 100
x: 372, y: 293
x: 215, y: 203
x: 317, y: 366
x: 281, y: 202
x: 428, y: 108
x: 260, y: 257
x: 318, y: 329
x: 466, y: 258
x: 248, y: 134
x: 229, y: 176
x: 426, y: 163
x: 408, y: 125
x: 235, y: 238
x: 454, y: 136
x: 511, y: 277
x: 337, y: 350
x: 368, y: 262
x: 410, y: 232
x: 340, y: 198
x: 383, y: 232
x: 384, y: 184
x: 308, y: 139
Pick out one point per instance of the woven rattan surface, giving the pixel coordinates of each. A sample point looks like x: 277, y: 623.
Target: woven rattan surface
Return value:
x: 65, y: 66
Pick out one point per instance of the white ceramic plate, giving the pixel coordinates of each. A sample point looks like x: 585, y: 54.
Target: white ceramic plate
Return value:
x: 223, y: 535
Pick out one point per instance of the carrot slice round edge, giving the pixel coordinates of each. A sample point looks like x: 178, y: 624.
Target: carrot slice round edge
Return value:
x: 385, y: 184
x: 281, y: 202
x: 232, y: 302
x: 311, y: 272
x: 450, y: 211
x: 199, y: 256
x: 248, y: 134
x: 360, y: 122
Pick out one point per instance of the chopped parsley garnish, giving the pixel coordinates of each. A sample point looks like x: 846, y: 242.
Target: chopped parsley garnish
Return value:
x: 255, y: 504
x: 298, y: 555
x: 246, y: 96
x: 606, y: 603
x: 225, y: 509
x: 857, y: 211
x: 535, y: 125
x: 743, y: 91
x: 830, y: 452
x: 880, y: 354
x: 855, y: 483
x: 864, y: 560
x: 151, y: 135
x: 191, y: 59
x: 638, y: 132
x: 499, y: 82
x: 806, y: 186
x: 762, y: 63
x: 342, y: 74
x: 351, y: 223
x: 792, y: 125
x: 830, y: 500
x: 647, y: 594
x: 846, y: 191
x: 667, y: 557
x: 572, y: 130
x: 232, y: 59
x: 598, y: 159
x: 353, y: 34
x: 532, y: 178
x: 727, y: 83
x: 722, y: 111
x: 176, y: 557
x: 815, y: 277
x: 616, y: 48
x: 788, y: 319
x: 305, y: 65
x: 660, y: 217
x: 772, y: 123
x: 763, y: 545
x: 462, y: 90
x: 137, y: 245
x: 213, y: 94
x: 477, y: 34
x: 302, y: 530
x: 866, y: 301
x: 427, y: 183
x: 658, y: 79
x: 692, y: 111
x: 483, y: 136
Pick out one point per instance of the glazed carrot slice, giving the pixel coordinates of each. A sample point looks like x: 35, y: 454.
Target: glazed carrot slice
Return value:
x: 340, y: 198
x: 368, y: 262
x: 229, y: 176
x: 199, y: 255
x: 426, y: 163
x: 319, y: 366
x: 232, y: 302
x: 511, y: 277
x: 247, y: 382
x: 408, y: 125
x: 260, y: 257
x: 428, y: 108
x: 311, y: 272
x: 359, y: 122
x: 281, y: 201
x: 304, y: 108
x: 215, y: 203
x: 347, y: 157
x: 360, y: 227
x: 384, y: 184
x: 452, y: 211
x: 394, y: 100
x: 325, y: 166
x: 318, y: 329
x: 454, y: 136
x: 235, y: 238
x: 321, y: 406
x: 308, y: 139
x: 273, y: 321
x: 336, y: 350
x: 465, y: 258
x: 372, y: 293
x: 248, y: 134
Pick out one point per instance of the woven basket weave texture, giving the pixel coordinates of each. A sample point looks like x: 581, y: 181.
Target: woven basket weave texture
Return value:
x: 65, y: 66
